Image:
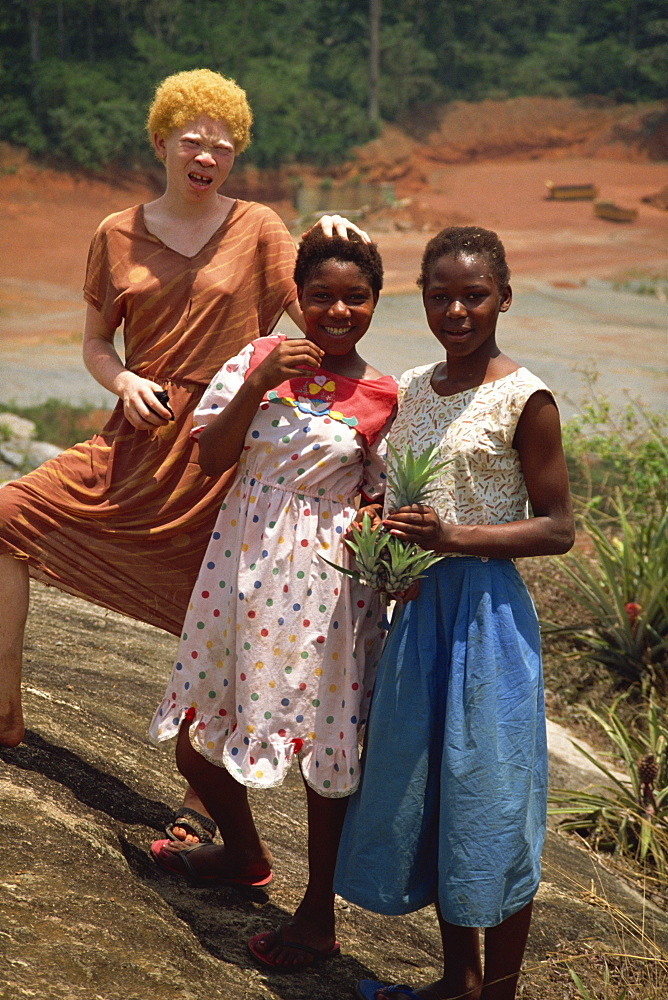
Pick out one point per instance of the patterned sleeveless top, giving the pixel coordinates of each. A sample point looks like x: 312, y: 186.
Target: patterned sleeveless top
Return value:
x: 483, y: 481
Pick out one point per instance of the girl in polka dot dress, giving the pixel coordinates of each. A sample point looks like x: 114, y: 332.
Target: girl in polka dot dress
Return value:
x: 278, y: 650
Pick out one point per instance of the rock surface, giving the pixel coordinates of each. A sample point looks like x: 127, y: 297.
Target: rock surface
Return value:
x: 19, y: 452
x: 86, y: 915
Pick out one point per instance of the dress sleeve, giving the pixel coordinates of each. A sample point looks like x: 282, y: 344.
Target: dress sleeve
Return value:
x: 221, y: 389
x: 276, y: 255
x: 225, y: 384
x: 374, y: 477
x: 99, y: 288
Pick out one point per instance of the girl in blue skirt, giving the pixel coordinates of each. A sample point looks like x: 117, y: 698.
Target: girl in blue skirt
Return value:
x: 452, y: 803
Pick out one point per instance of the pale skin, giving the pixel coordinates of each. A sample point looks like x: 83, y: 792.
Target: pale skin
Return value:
x: 463, y: 300
x: 337, y: 304
x: 184, y: 218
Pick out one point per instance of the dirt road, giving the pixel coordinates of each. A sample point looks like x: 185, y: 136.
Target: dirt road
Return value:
x: 561, y: 318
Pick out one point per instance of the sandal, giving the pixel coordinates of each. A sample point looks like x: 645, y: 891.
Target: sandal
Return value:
x: 316, y: 956
x: 178, y: 863
x: 369, y: 989
x: 193, y: 822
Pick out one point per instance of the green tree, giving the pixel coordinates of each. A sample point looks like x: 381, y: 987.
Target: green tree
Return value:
x: 305, y: 63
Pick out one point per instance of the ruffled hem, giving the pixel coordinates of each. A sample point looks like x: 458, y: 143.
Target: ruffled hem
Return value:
x: 261, y: 761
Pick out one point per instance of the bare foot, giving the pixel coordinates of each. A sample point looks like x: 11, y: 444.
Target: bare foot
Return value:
x: 194, y: 829
x: 12, y: 728
x: 445, y: 990
x: 436, y: 991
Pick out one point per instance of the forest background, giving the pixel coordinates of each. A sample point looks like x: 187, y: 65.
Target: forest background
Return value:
x: 77, y: 75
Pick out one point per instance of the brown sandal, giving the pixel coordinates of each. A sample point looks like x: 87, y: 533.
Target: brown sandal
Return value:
x: 194, y: 822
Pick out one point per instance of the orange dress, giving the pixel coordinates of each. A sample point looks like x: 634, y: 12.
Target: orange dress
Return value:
x: 123, y: 520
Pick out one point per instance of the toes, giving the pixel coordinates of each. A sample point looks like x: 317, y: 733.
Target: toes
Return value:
x: 263, y: 942
x: 184, y: 835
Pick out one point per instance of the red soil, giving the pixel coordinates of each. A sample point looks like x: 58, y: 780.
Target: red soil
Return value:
x: 483, y: 164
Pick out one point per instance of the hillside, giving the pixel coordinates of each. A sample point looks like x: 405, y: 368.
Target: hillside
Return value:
x: 481, y: 163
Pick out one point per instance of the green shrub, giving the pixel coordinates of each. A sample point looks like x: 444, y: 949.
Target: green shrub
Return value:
x: 617, y: 451
x: 19, y: 126
x: 60, y: 423
x: 627, y: 816
x: 622, y: 590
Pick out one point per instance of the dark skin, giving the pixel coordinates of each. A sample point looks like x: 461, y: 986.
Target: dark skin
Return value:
x: 337, y: 297
x: 337, y: 303
x: 463, y: 300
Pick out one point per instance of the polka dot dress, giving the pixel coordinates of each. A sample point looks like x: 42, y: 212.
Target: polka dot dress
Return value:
x: 278, y: 652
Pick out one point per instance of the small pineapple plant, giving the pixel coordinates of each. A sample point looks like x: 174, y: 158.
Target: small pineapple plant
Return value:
x: 412, y: 479
x: 384, y: 562
x: 626, y: 815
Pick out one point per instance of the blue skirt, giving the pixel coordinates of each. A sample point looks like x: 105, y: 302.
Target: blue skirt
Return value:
x: 451, y: 808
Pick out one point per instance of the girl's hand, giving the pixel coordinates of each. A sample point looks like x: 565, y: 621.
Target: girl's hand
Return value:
x: 289, y: 359
x: 331, y: 224
x: 375, y: 512
x: 140, y: 406
x: 419, y: 524
x: 409, y: 594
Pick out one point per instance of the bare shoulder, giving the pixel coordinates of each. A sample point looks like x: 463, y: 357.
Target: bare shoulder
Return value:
x: 539, y: 421
x: 500, y: 366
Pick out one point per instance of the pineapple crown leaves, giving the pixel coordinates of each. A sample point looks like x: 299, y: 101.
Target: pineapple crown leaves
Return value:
x: 411, y: 479
x: 384, y: 562
x: 366, y: 544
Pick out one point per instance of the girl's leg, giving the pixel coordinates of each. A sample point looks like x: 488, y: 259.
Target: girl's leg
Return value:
x: 504, y: 951
x: 462, y: 976
x: 313, y: 923
x: 462, y: 969
x: 14, y: 597
x: 226, y: 801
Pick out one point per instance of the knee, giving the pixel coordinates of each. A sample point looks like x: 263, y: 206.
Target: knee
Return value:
x: 14, y: 585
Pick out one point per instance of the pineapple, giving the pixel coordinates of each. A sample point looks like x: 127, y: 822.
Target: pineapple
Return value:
x: 410, y: 478
x: 648, y: 769
x: 384, y: 562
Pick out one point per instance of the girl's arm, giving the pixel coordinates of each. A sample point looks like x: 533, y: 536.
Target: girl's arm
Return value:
x: 551, y: 529
x: 222, y: 440
x: 294, y: 311
x: 140, y: 406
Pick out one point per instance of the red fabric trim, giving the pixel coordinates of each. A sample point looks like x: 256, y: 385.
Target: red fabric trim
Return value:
x: 365, y: 404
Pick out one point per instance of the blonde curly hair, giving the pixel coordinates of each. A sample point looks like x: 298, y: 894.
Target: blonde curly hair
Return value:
x: 182, y: 97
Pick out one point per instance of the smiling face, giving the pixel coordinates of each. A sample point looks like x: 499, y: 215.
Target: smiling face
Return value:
x: 198, y: 157
x: 337, y: 302
x: 462, y: 300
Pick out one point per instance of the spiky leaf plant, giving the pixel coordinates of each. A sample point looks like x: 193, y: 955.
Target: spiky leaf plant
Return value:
x: 384, y: 562
x: 628, y: 816
x: 622, y: 590
x: 410, y: 479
